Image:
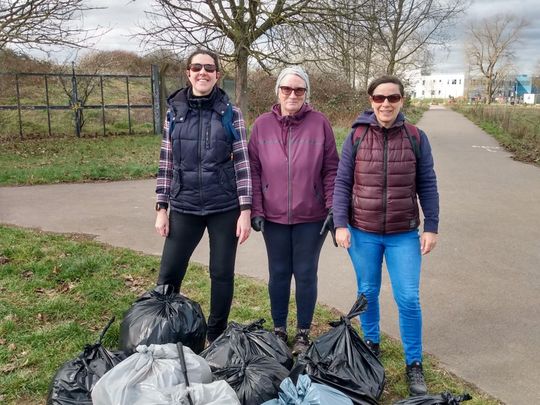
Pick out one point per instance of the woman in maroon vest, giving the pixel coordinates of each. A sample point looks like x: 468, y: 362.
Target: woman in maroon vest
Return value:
x: 386, y: 166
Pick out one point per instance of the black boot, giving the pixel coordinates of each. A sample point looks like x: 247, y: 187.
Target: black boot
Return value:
x: 301, y: 342
x: 281, y: 333
x: 415, y: 377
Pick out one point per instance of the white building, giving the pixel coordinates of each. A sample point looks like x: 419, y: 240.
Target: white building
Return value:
x: 444, y: 85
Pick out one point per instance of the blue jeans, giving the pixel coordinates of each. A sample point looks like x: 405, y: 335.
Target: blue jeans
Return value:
x: 403, y: 261
x: 293, y: 250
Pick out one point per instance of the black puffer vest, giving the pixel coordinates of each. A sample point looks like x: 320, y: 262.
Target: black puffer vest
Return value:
x: 384, y: 192
x: 203, y: 176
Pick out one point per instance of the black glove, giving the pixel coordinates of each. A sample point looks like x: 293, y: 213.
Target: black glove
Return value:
x: 257, y: 223
x: 328, y: 225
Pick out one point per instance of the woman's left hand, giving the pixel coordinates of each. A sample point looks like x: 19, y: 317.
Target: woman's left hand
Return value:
x: 428, y: 240
x: 243, y: 226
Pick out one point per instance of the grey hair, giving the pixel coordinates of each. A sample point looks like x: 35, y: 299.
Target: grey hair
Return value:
x: 294, y: 70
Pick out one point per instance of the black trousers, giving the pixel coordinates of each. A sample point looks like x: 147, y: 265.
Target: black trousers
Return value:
x: 185, y: 233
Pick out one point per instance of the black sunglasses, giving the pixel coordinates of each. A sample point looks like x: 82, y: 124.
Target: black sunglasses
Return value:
x: 393, y: 98
x: 197, y: 67
x: 286, y: 90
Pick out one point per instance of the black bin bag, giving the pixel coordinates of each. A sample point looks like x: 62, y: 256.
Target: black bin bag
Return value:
x: 255, y: 378
x: 444, y: 398
x: 163, y: 316
x: 75, y: 379
x: 341, y: 359
x: 258, y: 342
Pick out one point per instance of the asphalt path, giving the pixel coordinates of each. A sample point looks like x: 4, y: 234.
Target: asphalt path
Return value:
x: 480, y: 287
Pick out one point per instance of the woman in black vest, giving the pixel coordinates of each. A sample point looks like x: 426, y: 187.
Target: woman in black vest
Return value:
x: 203, y: 183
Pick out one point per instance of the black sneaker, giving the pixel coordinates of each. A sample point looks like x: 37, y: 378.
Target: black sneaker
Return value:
x: 415, y: 377
x: 282, y: 334
x: 301, y: 343
x: 374, y: 347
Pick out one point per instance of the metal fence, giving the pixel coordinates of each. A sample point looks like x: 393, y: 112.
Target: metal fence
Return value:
x: 79, y: 102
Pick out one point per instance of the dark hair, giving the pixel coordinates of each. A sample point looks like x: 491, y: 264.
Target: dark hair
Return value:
x: 385, y: 79
x: 201, y: 51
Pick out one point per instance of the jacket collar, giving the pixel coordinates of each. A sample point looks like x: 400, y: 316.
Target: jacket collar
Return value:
x: 294, y: 119
x: 182, y: 100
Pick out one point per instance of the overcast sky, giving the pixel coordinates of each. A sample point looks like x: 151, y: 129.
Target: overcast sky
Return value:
x: 121, y: 16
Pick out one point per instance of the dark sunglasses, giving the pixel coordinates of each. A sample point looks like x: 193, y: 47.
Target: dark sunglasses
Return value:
x: 393, y: 98
x: 197, y: 67
x: 286, y: 90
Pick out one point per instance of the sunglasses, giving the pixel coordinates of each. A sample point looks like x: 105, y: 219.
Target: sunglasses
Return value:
x: 393, y: 98
x: 286, y: 90
x: 197, y: 67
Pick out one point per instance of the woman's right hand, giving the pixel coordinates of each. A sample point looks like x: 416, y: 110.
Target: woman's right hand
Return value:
x: 343, y: 237
x: 162, y: 223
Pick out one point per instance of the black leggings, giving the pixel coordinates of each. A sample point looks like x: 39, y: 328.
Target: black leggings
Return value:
x: 293, y: 250
x: 185, y: 233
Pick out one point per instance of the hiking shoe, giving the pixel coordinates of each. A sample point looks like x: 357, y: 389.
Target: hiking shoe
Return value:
x: 301, y: 343
x: 374, y: 347
x: 282, y: 334
x: 415, y: 377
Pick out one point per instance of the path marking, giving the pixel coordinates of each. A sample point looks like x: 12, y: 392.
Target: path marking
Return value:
x: 488, y: 148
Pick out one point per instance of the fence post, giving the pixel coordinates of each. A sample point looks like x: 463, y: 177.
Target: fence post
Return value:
x: 156, y: 99
x: 75, y: 101
x: 19, y: 105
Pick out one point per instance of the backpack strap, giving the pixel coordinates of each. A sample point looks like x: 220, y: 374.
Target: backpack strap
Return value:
x: 358, y: 137
x: 227, y: 122
x: 413, y: 134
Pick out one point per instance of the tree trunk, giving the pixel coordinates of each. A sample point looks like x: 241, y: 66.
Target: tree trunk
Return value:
x: 241, y: 85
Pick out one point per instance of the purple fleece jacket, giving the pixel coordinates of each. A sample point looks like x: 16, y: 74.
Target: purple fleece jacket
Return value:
x: 293, y: 162
x: 426, y: 180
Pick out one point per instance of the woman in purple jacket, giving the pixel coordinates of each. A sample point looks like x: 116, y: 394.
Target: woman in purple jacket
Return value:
x: 293, y: 159
x: 386, y: 166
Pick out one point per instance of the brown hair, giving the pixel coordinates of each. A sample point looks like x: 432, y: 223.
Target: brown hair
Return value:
x: 201, y: 51
x: 385, y: 79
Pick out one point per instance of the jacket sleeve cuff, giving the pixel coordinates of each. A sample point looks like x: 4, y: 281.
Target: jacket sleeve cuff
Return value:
x: 244, y: 207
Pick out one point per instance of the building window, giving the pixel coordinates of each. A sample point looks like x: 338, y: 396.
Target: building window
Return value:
x: 459, y: 81
x: 423, y: 82
x: 423, y: 92
x: 439, y: 92
x: 432, y: 92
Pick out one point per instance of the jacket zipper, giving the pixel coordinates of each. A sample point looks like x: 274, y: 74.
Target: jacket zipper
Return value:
x: 289, y: 185
x: 385, y: 174
x: 199, y: 152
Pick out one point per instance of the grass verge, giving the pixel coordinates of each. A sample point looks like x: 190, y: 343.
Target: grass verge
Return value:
x: 58, y: 291
x: 516, y: 128
x: 45, y: 161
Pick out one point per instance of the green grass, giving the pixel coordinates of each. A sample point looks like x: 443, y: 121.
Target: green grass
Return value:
x: 78, y: 160
x: 58, y: 291
x: 516, y: 128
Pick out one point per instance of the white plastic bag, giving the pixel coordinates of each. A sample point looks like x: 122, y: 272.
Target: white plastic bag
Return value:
x: 152, y: 368
x: 216, y: 393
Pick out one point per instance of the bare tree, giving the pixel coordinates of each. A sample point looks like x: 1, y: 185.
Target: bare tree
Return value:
x: 237, y: 29
x: 489, y: 48
x: 407, y: 29
x: 39, y: 23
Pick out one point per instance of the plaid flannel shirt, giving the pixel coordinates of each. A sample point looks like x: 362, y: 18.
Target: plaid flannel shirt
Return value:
x: 240, y: 159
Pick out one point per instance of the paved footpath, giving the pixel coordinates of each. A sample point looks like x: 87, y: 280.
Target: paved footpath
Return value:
x: 480, y: 287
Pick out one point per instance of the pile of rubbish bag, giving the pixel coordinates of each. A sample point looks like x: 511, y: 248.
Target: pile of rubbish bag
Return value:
x: 163, y: 316
x: 75, y: 379
x: 341, y: 359
x: 162, y: 362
